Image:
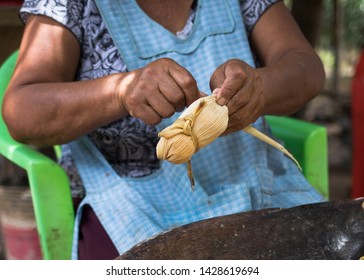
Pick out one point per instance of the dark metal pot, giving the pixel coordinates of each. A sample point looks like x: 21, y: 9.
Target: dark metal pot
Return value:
x: 320, y: 231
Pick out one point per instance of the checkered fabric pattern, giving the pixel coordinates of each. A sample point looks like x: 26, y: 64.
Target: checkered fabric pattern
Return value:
x: 235, y: 173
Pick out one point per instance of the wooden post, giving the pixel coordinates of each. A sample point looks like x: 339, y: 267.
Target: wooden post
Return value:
x: 337, y: 35
x: 308, y: 14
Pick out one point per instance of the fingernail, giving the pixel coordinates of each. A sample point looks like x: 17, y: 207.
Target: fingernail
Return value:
x: 215, y: 91
x: 221, y: 101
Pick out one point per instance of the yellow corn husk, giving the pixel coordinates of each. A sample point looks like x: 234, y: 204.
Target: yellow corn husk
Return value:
x: 256, y: 133
x: 199, y: 125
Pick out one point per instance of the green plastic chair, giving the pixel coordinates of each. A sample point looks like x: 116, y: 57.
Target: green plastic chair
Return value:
x: 48, y: 182
x: 50, y: 186
x: 308, y: 144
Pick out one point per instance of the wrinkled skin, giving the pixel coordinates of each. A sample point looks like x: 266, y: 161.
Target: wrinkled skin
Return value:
x: 241, y: 91
x: 45, y: 106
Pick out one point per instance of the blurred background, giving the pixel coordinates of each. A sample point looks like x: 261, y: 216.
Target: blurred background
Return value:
x: 335, y: 28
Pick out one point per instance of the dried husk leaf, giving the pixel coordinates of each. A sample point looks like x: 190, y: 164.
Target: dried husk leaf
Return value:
x: 180, y: 151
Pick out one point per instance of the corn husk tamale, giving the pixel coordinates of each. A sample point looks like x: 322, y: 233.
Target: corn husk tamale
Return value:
x: 199, y: 125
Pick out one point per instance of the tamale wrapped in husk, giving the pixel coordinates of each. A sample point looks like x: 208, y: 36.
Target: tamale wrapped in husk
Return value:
x: 199, y: 125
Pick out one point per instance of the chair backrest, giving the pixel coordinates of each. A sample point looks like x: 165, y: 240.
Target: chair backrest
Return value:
x: 308, y: 143
x: 48, y: 183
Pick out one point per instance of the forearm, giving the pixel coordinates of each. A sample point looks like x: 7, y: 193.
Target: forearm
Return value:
x: 291, y: 72
x: 291, y: 82
x: 45, y: 114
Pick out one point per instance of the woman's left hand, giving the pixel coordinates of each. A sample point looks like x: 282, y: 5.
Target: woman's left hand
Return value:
x: 239, y: 87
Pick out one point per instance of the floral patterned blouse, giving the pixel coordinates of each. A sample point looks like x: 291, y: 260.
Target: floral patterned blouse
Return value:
x: 128, y: 144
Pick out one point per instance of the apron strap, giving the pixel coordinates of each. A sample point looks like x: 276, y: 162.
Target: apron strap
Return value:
x: 140, y: 39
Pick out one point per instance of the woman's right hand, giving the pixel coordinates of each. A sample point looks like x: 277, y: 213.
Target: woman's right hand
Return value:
x: 157, y: 91
x: 44, y: 106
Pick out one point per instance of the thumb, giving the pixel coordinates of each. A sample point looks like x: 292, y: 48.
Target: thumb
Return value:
x: 217, y: 79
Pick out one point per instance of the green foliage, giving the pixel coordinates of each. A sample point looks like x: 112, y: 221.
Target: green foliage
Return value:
x: 352, y: 23
x: 288, y: 3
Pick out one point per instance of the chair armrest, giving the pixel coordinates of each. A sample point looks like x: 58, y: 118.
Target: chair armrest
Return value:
x: 50, y: 190
x: 49, y: 185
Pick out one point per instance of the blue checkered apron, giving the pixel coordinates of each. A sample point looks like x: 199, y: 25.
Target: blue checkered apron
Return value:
x: 235, y: 173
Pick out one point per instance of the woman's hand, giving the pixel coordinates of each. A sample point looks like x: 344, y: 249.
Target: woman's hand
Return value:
x: 290, y: 73
x: 44, y: 106
x: 157, y: 91
x: 238, y: 86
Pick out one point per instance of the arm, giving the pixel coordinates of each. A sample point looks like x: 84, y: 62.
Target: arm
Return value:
x: 291, y: 73
x: 45, y: 106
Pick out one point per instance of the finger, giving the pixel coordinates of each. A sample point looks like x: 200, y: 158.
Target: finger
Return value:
x: 147, y: 114
x: 215, y: 91
x: 240, y: 98
x: 160, y: 104
x: 235, y: 79
x: 217, y: 78
x: 173, y: 93
x: 186, y: 82
x: 246, y: 114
